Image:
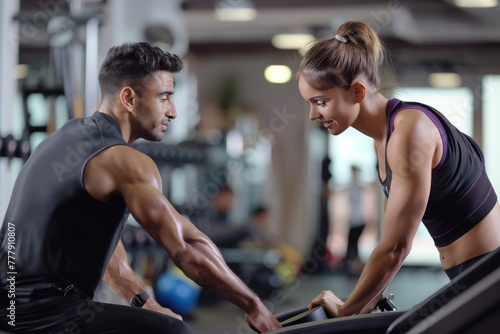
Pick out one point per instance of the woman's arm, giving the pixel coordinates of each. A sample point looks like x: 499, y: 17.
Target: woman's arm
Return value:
x: 410, y: 153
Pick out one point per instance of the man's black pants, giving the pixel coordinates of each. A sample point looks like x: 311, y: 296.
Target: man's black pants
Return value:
x: 73, y: 314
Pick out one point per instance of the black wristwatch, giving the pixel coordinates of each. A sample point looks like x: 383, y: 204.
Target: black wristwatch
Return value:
x: 140, y: 299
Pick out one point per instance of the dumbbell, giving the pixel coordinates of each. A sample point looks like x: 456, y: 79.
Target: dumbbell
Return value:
x: 23, y: 149
x: 8, y: 147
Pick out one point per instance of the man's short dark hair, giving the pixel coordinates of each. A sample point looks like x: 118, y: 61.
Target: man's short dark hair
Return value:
x: 129, y: 64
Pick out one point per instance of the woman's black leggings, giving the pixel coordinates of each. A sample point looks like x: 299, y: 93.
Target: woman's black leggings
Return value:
x: 73, y: 314
x: 460, y: 268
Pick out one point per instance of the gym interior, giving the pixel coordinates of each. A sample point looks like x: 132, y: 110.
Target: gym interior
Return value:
x: 242, y: 150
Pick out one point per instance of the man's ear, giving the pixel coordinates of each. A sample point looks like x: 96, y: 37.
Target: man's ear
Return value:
x: 358, y: 90
x: 127, y: 98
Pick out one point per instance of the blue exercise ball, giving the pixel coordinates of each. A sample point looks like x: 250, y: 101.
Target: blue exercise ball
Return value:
x: 176, y: 294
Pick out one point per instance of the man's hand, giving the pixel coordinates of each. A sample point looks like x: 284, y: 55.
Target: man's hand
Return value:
x: 331, y: 303
x: 152, y: 305
x: 262, y: 320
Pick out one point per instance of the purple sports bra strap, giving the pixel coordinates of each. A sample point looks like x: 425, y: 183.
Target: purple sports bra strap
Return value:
x: 391, y: 105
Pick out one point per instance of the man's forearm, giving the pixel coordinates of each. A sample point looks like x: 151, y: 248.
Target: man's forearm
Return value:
x: 120, y: 276
x: 202, y: 262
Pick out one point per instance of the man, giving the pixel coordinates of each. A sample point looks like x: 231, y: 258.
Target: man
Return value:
x: 72, y: 198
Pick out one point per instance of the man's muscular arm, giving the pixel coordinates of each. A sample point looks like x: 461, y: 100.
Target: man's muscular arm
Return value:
x: 130, y: 174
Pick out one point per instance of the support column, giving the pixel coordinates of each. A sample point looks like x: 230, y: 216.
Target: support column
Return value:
x: 9, y: 50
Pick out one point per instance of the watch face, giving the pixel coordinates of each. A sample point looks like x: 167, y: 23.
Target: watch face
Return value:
x: 140, y: 299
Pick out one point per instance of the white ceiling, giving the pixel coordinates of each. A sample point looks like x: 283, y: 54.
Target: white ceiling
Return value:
x: 427, y: 29
x: 414, y: 21
x: 422, y: 21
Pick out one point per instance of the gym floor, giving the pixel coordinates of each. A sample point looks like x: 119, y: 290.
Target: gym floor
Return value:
x: 410, y: 286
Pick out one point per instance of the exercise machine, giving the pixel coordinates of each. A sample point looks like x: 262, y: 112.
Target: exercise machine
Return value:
x: 477, y: 284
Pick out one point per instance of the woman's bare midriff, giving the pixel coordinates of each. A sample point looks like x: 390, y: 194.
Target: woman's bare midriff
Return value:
x: 483, y: 238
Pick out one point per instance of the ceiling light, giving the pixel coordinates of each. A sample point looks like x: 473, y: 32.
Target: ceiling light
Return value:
x: 292, y: 41
x: 445, y: 80
x: 278, y: 74
x: 235, y: 10
x: 476, y: 3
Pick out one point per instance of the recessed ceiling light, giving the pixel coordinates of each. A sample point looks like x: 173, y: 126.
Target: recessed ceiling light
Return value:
x: 278, y: 74
x: 445, y: 80
x: 235, y: 10
x: 295, y: 41
x: 476, y: 3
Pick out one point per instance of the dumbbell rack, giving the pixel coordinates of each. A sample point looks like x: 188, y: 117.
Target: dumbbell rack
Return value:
x: 14, y: 148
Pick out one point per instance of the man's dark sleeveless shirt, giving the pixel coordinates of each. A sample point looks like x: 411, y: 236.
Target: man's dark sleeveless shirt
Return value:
x: 461, y: 193
x: 62, y: 235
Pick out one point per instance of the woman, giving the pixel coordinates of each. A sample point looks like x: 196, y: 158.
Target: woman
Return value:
x: 429, y: 170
